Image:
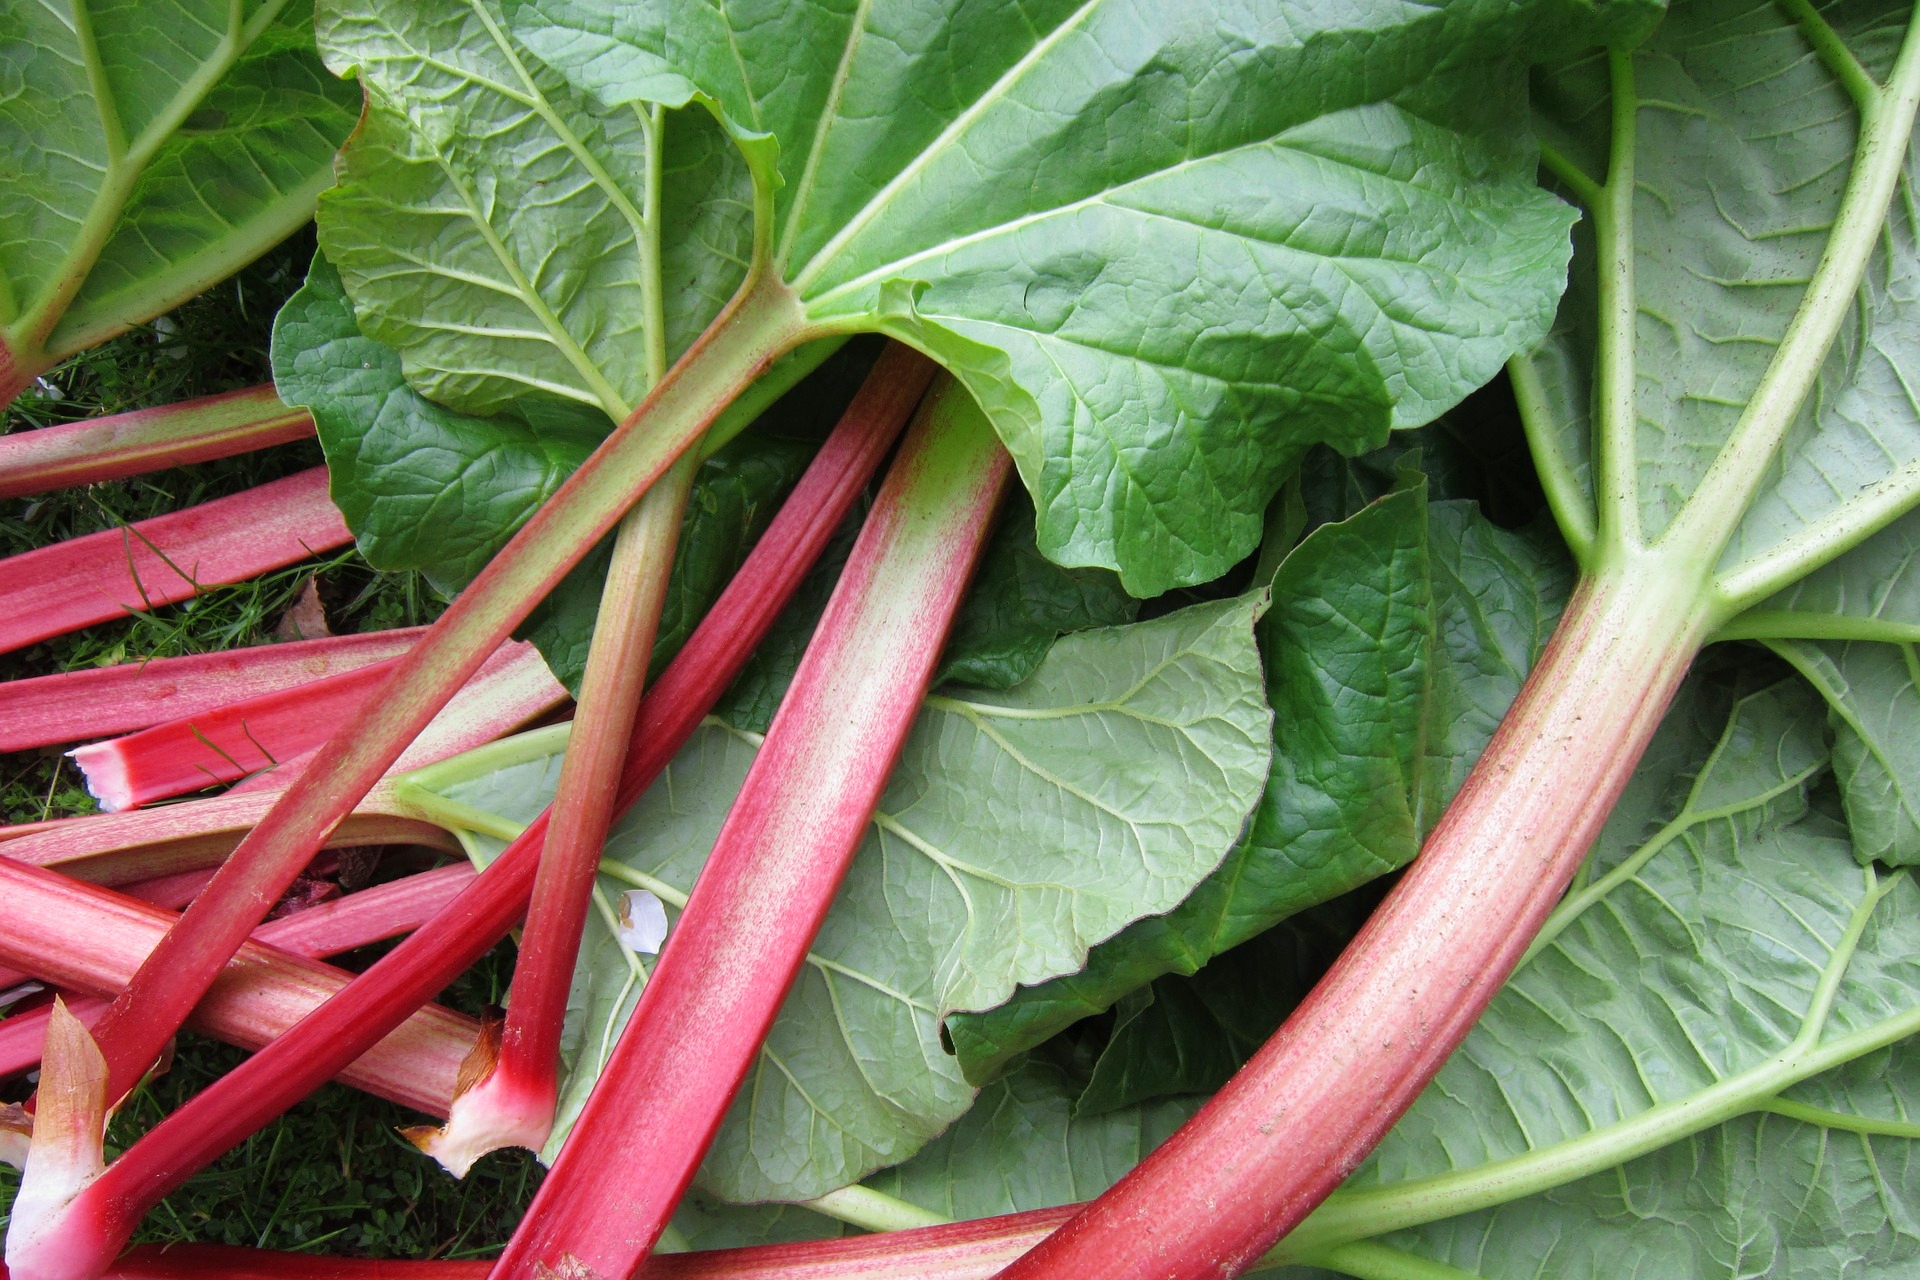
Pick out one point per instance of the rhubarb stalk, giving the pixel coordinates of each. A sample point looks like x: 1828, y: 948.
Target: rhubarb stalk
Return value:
x: 512, y: 1104
x: 778, y: 860
x: 91, y: 940
x: 269, y: 732
x: 131, y: 444
x: 169, y: 558
x: 75, y: 705
x: 343, y: 924
x: 1309, y: 1106
x: 382, y: 997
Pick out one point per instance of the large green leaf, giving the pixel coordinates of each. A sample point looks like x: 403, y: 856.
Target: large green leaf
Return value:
x: 1741, y: 137
x: 148, y: 149
x: 1019, y: 828
x: 1163, y: 269
x: 506, y: 237
x: 1396, y: 640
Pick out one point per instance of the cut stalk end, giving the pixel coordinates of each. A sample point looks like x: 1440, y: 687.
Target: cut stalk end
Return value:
x: 103, y: 765
x: 492, y: 1109
x: 54, y: 1234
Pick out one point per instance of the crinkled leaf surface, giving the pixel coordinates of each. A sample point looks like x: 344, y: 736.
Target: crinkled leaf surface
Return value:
x: 495, y: 228
x: 1742, y: 141
x: 1018, y: 829
x: 1167, y: 247
x: 1396, y: 641
x: 150, y: 149
x: 1874, y: 706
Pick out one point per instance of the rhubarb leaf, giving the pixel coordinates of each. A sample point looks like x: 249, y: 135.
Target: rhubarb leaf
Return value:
x: 1022, y: 1146
x: 152, y: 149
x: 1330, y: 233
x: 422, y: 486
x: 1874, y: 706
x: 1395, y: 643
x: 1020, y: 603
x: 1740, y: 130
x: 497, y: 230
x: 1149, y: 743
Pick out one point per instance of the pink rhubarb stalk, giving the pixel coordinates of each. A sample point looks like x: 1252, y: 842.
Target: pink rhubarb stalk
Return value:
x: 512, y: 1104
x: 382, y: 997
x: 81, y: 938
x: 76, y: 705
x: 248, y: 735
x: 130, y: 444
x: 356, y: 920
x: 960, y: 1251
x: 778, y: 860
x: 762, y: 322
x: 169, y: 558
x: 144, y: 844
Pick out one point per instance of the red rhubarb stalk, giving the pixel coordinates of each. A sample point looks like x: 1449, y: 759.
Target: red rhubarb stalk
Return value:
x: 778, y: 859
x: 125, y: 848
x: 763, y: 321
x: 512, y: 1104
x: 356, y: 920
x: 130, y: 444
x: 382, y: 997
x: 249, y: 735
x: 169, y: 558
x: 81, y: 938
x: 76, y: 705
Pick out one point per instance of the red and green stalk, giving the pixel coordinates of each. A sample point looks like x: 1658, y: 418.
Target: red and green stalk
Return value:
x: 269, y: 731
x: 131, y: 444
x: 778, y: 860
x: 169, y: 558
x: 382, y: 998
x: 76, y: 705
x: 343, y: 924
x: 512, y: 1104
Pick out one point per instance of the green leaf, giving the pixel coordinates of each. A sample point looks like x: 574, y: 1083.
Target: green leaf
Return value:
x: 422, y: 486
x: 1394, y: 645
x: 151, y: 149
x: 1163, y: 272
x: 505, y: 236
x: 1743, y: 135
x: 1023, y: 1146
x: 1874, y: 706
x: 1189, y: 1034
x: 1019, y: 603
x: 1148, y: 742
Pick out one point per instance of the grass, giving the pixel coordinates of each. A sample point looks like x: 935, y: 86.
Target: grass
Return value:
x: 332, y: 1175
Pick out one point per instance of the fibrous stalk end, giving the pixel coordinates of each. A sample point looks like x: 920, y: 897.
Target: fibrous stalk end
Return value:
x: 492, y: 1109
